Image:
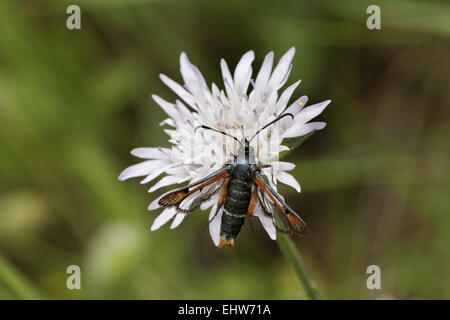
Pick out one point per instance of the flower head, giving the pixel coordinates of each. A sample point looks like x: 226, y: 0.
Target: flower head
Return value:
x: 246, y: 105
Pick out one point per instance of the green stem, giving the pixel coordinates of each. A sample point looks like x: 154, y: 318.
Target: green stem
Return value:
x: 16, y: 283
x: 291, y: 253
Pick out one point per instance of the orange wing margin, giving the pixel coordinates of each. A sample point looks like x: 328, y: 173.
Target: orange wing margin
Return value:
x: 178, y: 195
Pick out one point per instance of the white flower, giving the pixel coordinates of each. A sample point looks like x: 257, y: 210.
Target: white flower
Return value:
x: 239, y: 110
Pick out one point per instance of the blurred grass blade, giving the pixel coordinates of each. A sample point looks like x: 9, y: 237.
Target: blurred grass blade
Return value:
x: 16, y: 283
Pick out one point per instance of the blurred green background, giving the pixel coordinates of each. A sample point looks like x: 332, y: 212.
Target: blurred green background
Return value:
x: 375, y: 182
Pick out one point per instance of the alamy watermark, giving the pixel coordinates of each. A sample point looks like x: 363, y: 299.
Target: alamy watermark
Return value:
x: 74, y: 280
x: 374, y: 20
x: 73, y: 21
x: 374, y: 280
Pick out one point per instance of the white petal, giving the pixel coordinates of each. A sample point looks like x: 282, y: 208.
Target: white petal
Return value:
x: 288, y: 179
x: 162, y: 219
x: 272, y: 99
x: 293, y: 109
x: 299, y: 104
x: 178, y: 170
x: 192, y: 78
x: 188, y: 73
x: 243, y: 72
x: 264, y: 73
x: 179, y: 90
x: 266, y: 221
x: 302, y: 129
x: 151, y: 153
x: 311, y: 112
x: 285, y: 96
x: 141, y: 169
x: 227, y: 79
x: 156, y: 173
x: 178, y: 220
x: 283, y: 148
x: 154, y: 204
x: 281, y: 72
x: 168, y: 121
x: 285, y: 166
x: 166, y: 181
x: 214, y: 225
x: 183, y: 110
x: 168, y: 107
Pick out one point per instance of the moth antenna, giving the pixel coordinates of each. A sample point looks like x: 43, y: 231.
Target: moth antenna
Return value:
x: 202, y: 126
x: 272, y: 122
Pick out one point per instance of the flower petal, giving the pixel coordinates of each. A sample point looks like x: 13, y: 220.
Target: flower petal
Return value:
x: 166, y: 181
x: 288, y: 179
x: 285, y: 166
x: 297, y: 106
x: 178, y: 220
x: 179, y: 90
x: 169, y: 122
x: 227, y: 79
x: 301, y: 129
x: 214, y: 225
x: 151, y: 153
x: 264, y: 73
x: 243, y: 72
x: 293, y: 109
x: 154, y: 204
x: 311, y: 111
x: 156, y: 173
x: 162, y: 219
x: 193, y: 79
x: 281, y: 71
x: 168, y: 107
x: 285, y: 96
x: 141, y: 169
x: 266, y: 221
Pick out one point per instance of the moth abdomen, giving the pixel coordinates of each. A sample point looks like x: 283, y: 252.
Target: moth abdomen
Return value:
x: 236, y: 203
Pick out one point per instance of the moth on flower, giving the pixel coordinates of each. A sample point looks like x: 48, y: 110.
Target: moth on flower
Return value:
x: 226, y: 145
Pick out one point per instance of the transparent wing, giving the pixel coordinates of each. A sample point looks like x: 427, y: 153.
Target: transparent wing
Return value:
x: 193, y: 200
x: 186, y: 199
x: 269, y: 209
x: 265, y: 201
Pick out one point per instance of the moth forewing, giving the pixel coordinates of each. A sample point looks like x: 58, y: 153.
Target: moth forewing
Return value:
x: 284, y: 218
x: 195, y: 199
x: 296, y: 222
x: 189, y: 197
